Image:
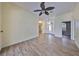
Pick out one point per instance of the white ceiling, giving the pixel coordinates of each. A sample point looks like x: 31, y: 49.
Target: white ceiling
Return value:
x: 60, y: 7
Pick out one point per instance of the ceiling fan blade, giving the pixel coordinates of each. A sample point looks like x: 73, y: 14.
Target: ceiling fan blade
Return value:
x: 46, y: 13
x: 40, y: 14
x: 37, y: 10
x: 49, y: 8
x: 42, y: 5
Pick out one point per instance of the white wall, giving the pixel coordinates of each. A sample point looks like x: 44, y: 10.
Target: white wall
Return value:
x: 77, y: 33
x: 58, y: 27
x: 18, y: 24
x: 76, y: 19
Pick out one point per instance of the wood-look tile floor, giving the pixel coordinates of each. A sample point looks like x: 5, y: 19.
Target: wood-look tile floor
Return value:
x: 45, y: 45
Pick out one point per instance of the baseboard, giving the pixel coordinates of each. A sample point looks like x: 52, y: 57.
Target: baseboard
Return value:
x: 18, y: 42
x: 58, y: 36
x: 77, y: 44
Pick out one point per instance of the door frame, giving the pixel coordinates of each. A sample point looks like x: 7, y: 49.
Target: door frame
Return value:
x: 67, y: 30
x: 72, y: 29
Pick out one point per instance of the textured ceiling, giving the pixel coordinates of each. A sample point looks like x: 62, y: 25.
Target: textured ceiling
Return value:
x: 60, y: 7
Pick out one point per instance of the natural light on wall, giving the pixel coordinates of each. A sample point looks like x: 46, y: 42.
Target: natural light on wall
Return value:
x: 49, y: 26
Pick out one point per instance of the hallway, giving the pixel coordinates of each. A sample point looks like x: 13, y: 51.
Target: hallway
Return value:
x: 45, y: 45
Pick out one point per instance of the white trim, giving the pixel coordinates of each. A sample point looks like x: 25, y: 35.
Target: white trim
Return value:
x: 77, y: 44
x: 72, y: 30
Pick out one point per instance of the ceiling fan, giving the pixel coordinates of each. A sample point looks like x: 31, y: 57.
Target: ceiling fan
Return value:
x: 44, y: 9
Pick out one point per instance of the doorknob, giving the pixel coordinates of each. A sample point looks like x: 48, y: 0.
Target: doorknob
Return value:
x: 1, y: 31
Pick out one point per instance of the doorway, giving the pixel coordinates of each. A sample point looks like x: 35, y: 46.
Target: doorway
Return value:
x: 49, y: 27
x: 66, y: 29
x: 40, y: 27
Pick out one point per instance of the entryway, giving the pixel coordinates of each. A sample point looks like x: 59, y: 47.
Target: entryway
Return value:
x: 41, y: 27
x: 66, y: 29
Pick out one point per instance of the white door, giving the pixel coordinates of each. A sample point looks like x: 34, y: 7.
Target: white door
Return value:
x: 0, y: 26
x: 0, y: 34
